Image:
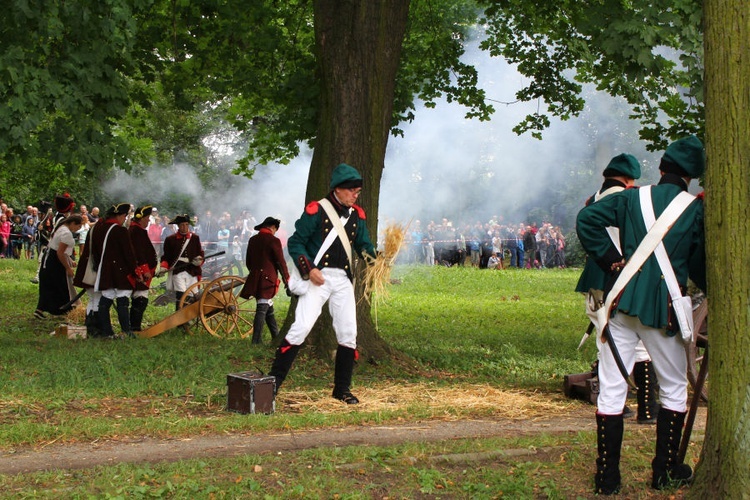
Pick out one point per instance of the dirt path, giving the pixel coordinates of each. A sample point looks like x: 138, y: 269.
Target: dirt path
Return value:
x: 80, y: 456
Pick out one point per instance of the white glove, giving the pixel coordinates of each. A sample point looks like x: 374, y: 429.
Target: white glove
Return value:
x: 197, y: 261
x: 183, y: 259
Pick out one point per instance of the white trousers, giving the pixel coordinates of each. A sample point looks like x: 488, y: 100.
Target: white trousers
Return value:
x: 339, y: 292
x: 641, y: 354
x: 93, y: 304
x: 182, y: 281
x: 669, y: 361
x: 115, y: 293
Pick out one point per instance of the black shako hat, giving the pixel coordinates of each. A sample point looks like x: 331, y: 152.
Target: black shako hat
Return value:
x: 180, y: 219
x: 268, y: 222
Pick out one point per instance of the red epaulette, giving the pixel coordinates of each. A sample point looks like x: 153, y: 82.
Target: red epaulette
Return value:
x: 701, y: 196
x: 360, y: 211
x: 312, y: 208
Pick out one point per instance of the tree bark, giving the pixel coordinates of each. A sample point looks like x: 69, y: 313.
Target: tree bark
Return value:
x: 724, y: 467
x: 358, y: 52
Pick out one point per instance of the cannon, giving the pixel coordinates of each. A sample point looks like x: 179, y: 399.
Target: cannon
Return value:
x: 218, y: 307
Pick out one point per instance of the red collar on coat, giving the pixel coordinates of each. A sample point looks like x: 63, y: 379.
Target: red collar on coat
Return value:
x: 265, y: 230
x: 181, y: 236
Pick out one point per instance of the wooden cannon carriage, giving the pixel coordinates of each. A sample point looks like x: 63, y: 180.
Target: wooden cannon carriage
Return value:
x: 216, y: 304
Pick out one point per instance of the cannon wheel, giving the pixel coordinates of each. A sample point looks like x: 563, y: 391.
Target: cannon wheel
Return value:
x: 192, y: 295
x: 696, y: 350
x: 223, y: 312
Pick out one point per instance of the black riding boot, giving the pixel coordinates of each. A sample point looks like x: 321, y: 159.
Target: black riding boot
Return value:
x: 178, y: 296
x: 271, y: 322
x: 285, y: 355
x: 645, y: 379
x: 260, y: 319
x: 667, y: 472
x: 92, y: 325
x: 342, y: 378
x: 105, y: 322
x: 123, y: 315
x: 609, y: 430
x: 137, y: 307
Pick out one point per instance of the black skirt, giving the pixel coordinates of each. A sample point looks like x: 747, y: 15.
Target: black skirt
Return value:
x: 53, y: 285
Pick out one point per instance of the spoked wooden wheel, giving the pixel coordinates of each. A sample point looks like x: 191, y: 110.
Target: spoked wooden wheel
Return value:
x: 223, y: 312
x: 190, y: 296
x: 697, y: 349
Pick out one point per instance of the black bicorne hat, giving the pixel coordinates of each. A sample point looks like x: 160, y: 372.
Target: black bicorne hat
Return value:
x: 268, y: 222
x: 143, y: 211
x: 180, y: 219
x: 119, y: 209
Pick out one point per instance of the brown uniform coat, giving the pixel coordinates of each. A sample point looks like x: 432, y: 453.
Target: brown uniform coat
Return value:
x: 119, y: 257
x: 264, y: 259
x: 173, y: 245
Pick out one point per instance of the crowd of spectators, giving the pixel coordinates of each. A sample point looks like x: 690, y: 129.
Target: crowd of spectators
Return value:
x: 492, y: 245
x: 18, y: 232
x: 22, y: 235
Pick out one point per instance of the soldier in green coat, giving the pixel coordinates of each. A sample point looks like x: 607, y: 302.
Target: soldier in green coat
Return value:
x: 620, y: 174
x: 323, y: 257
x: 644, y: 312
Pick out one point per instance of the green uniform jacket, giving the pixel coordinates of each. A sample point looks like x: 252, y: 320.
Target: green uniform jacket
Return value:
x: 646, y: 294
x: 593, y: 276
x: 310, y: 231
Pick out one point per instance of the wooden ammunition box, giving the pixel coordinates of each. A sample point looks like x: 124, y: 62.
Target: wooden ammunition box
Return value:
x: 584, y: 386
x: 250, y: 392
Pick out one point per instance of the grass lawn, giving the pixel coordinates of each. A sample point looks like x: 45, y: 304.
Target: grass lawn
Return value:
x: 466, y: 330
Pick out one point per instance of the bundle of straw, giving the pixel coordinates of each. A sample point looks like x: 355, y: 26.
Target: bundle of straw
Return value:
x: 77, y: 315
x: 378, y: 271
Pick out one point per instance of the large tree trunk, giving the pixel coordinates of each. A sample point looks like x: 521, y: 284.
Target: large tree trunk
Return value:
x: 724, y: 468
x: 358, y: 50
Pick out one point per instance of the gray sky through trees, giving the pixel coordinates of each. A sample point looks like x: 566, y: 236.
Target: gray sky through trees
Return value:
x: 446, y: 165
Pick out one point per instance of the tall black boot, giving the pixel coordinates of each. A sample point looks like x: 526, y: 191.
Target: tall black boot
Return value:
x: 258, y: 322
x: 137, y: 307
x: 123, y: 315
x: 271, y: 322
x: 609, y: 430
x: 178, y: 296
x: 342, y: 378
x: 645, y: 378
x: 285, y: 355
x: 92, y: 325
x: 105, y: 322
x: 667, y: 472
